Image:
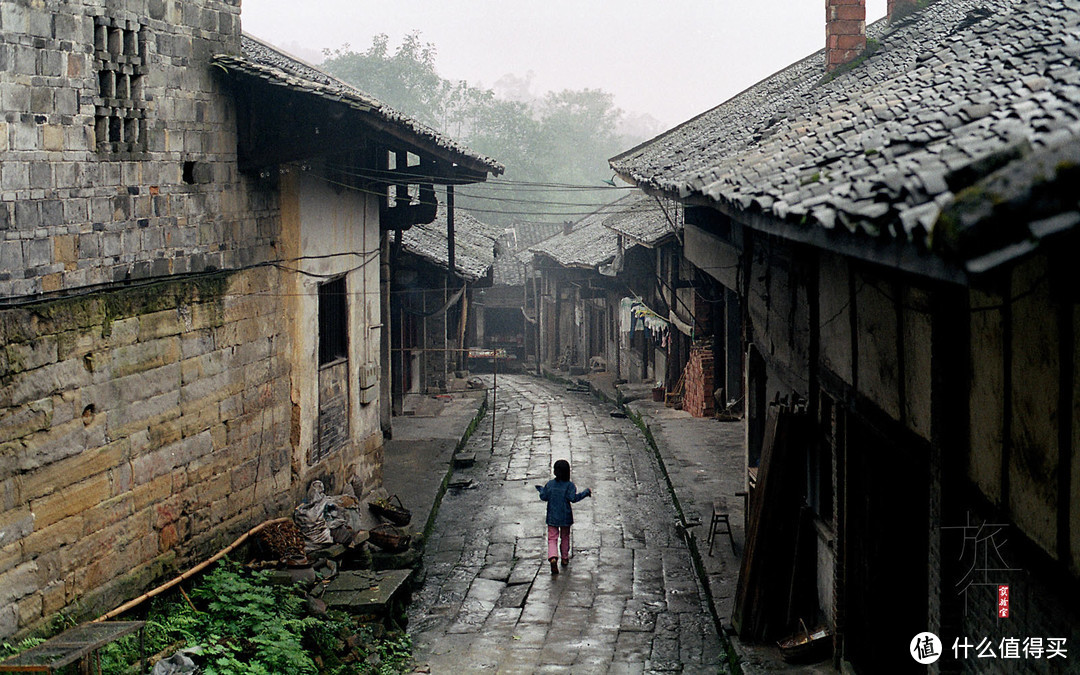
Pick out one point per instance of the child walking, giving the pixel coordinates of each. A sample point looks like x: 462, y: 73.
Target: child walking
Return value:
x: 559, y: 493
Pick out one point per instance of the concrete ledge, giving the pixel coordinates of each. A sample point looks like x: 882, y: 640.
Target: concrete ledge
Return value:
x: 418, y: 461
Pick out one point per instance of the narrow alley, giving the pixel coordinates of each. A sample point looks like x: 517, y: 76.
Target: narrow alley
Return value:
x: 628, y: 602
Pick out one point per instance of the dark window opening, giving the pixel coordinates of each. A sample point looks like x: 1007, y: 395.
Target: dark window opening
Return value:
x: 189, y: 173
x: 333, y: 321
x: 120, y: 59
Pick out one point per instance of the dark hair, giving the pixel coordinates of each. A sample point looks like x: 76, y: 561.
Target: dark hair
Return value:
x: 562, y: 470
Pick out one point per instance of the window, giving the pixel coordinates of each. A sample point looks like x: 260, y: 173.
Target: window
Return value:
x: 120, y: 57
x: 333, y: 322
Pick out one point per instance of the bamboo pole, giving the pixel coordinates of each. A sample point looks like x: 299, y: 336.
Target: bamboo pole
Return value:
x: 190, y: 573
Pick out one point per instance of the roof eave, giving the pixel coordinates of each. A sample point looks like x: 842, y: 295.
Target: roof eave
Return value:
x: 464, y: 167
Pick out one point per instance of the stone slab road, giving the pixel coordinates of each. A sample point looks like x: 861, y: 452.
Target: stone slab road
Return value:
x: 629, y: 602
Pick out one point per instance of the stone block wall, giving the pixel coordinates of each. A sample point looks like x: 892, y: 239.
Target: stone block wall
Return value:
x: 141, y: 429
x: 698, y: 383
x: 77, y: 208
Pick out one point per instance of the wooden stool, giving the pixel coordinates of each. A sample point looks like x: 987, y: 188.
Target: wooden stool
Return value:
x: 720, y: 516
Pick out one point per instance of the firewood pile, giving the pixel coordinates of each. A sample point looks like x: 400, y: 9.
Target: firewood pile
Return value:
x: 282, y: 541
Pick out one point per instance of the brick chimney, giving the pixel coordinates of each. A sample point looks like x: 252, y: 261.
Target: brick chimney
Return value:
x: 845, y: 31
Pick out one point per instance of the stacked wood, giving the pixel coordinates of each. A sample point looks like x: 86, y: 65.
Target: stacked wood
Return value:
x: 763, y: 596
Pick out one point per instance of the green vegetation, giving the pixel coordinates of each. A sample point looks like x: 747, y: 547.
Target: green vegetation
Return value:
x: 242, y: 624
x: 8, y: 649
x: 561, y: 137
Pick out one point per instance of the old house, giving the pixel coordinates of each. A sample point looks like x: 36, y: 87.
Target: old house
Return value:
x: 506, y: 312
x: 192, y: 226
x: 658, y: 322
x: 610, y: 293
x: 500, y: 319
x: 567, y: 274
x: 889, y: 219
x: 430, y: 306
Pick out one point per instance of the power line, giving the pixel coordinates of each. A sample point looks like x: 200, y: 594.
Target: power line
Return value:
x: 280, y: 263
x: 602, y: 209
x: 391, y: 176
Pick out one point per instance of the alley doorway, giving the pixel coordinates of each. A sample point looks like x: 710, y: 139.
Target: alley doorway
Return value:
x: 887, y: 530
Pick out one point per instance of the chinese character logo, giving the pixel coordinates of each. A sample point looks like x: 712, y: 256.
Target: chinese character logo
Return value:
x: 925, y: 648
x: 981, y: 559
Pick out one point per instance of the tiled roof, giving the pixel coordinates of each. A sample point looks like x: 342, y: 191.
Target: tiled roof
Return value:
x: 952, y: 91
x: 276, y: 67
x: 532, y: 233
x: 588, y: 243
x: 509, y: 270
x: 647, y: 220
x: 474, y: 243
x: 1013, y: 210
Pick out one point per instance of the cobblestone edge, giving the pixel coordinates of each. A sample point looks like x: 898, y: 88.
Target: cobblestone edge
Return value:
x: 430, y: 524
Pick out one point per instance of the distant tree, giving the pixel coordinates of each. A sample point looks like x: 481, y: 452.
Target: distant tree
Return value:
x: 561, y: 138
x: 405, y: 80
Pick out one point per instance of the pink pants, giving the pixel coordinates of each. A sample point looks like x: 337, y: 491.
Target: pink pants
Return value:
x: 564, y: 545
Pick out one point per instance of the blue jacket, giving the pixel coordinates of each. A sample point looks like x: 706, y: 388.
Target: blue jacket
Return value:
x: 559, y: 495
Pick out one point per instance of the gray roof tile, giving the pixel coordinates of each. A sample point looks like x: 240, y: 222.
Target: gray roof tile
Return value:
x: 594, y: 240
x: 474, y: 243
x: 950, y: 86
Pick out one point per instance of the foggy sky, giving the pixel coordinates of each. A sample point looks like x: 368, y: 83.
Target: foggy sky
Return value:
x: 671, y: 59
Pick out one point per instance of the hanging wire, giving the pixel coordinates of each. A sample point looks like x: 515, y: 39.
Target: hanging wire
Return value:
x: 609, y: 208
x: 509, y: 200
x: 393, y: 175
x: 282, y: 264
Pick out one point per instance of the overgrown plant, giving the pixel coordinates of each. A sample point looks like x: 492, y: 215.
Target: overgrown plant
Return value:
x: 241, y: 623
x: 9, y: 649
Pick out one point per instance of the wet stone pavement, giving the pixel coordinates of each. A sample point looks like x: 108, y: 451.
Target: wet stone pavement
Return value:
x: 628, y: 602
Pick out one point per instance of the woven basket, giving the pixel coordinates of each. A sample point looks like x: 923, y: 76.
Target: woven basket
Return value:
x: 398, y: 515
x: 389, y: 538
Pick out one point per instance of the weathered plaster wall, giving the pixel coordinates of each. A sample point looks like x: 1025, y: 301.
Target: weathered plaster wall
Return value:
x: 986, y: 393
x: 1033, y: 459
x: 779, y: 318
x: 141, y: 428
x: 1022, y: 335
x: 329, y: 233
x: 878, y: 367
x: 712, y: 255
x: 835, y: 316
x: 917, y: 351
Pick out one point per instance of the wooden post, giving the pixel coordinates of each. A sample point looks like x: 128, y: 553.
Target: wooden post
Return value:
x: 460, y: 360
x: 450, y: 229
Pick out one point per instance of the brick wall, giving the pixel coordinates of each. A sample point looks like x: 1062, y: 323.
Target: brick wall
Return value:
x: 698, y: 383
x: 77, y: 211
x: 845, y: 31
x: 141, y: 428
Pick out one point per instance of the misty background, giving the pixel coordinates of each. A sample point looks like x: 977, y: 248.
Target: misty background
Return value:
x: 551, y: 90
